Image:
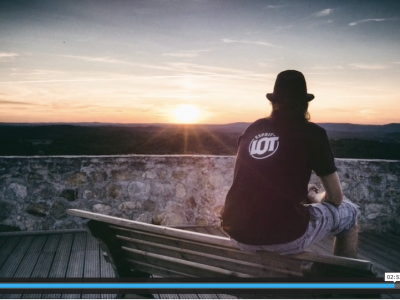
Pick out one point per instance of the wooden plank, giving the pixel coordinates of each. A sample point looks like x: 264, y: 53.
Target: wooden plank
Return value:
x: 162, y: 230
x: 31, y: 256
x: 381, y: 249
x: 201, y: 229
x: 12, y: 296
x: 79, y: 243
x: 226, y: 296
x: 70, y: 296
x: 6, y: 249
x: 76, y: 261
x: 223, y: 262
x: 207, y: 296
x: 274, y: 259
x: 205, y: 238
x: 139, y: 265
x: 43, y: 265
x: 92, y: 264
x: 26, y: 266
x: 193, y: 295
x: 378, y: 267
x: 159, y: 238
x: 190, y: 227
x: 31, y: 296
x: 76, y: 264
x: 92, y: 243
x: 106, y: 270
x: 11, y: 264
x: 325, y: 246
x: 52, y: 243
x: 41, y: 232
x: 75, y: 270
x: 108, y: 296
x: 389, y: 262
x: 334, y: 260
x: 393, y: 237
x: 319, y: 249
x: 216, y: 231
x: 169, y: 296
x: 9, y: 245
x: 92, y: 270
x: 61, y: 259
x: 91, y: 296
x: 51, y: 296
x: 264, y: 257
x: 3, y: 239
x: 180, y: 265
x: 60, y: 263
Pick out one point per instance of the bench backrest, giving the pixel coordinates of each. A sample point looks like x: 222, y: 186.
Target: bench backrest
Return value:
x: 172, y: 252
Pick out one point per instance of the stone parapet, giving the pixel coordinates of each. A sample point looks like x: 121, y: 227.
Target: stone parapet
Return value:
x: 169, y: 190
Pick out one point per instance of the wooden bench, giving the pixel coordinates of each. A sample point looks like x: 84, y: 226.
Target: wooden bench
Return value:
x: 136, y: 248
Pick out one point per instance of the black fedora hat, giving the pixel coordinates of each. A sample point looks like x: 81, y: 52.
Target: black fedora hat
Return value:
x: 290, y: 85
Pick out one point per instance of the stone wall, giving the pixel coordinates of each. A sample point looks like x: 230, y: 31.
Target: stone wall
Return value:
x: 36, y: 191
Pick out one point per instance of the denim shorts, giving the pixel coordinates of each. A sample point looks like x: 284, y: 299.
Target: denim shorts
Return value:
x: 325, y: 219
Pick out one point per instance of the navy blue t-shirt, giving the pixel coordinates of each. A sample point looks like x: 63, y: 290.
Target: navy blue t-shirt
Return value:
x: 273, y: 167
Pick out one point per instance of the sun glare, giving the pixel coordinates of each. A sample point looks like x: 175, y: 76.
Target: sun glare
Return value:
x: 186, y: 114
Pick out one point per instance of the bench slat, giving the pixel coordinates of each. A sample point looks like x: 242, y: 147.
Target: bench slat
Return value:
x: 209, y: 259
x: 162, y: 230
x: 196, y: 244
x: 272, y: 260
x: 156, y: 270
x: 261, y: 255
x: 180, y: 265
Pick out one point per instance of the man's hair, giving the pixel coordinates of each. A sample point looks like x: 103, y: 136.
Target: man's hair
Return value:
x: 291, y: 109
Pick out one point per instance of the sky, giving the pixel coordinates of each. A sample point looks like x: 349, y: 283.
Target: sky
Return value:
x: 196, y: 61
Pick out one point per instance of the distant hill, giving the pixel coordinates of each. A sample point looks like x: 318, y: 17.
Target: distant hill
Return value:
x: 347, y: 127
x: 347, y: 140
x: 234, y: 127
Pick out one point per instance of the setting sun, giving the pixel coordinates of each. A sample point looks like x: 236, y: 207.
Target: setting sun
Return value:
x: 186, y: 114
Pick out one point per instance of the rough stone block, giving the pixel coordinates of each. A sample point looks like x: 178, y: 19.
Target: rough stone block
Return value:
x: 38, y: 209
x: 20, y: 191
x: 69, y: 194
x: 76, y: 179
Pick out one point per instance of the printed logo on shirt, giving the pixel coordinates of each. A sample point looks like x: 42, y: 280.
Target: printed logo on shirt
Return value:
x: 263, y: 145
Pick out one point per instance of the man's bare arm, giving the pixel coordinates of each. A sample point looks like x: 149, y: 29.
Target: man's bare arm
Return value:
x: 333, y: 191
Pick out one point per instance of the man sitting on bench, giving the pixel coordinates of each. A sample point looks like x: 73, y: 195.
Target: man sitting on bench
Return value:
x: 270, y: 205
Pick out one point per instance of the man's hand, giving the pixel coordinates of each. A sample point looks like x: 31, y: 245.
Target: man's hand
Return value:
x: 313, y: 194
x: 312, y: 187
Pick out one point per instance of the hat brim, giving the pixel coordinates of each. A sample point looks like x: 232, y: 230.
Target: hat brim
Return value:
x: 271, y: 97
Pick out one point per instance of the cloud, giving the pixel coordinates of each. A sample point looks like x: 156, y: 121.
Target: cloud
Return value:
x: 323, y: 13
x: 276, y: 6
x: 181, y: 54
x: 369, y: 112
x: 7, y: 102
x: 7, y: 55
x: 104, y: 59
x: 327, y: 67
x: 110, y: 60
x: 368, y: 67
x: 370, y: 20
x: 185, y: 54
x: 38, y: 72
x: 250, y: 42
x: 207, y: 70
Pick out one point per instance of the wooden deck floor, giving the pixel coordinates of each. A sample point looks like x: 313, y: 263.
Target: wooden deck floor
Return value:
x: 76, y: 254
